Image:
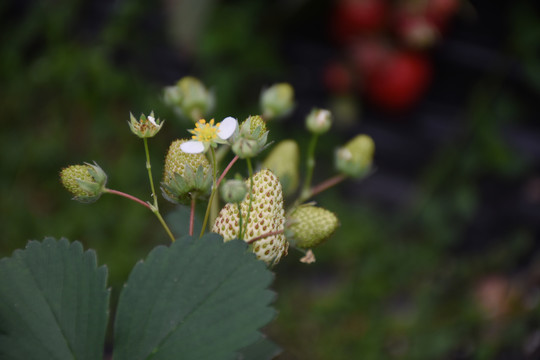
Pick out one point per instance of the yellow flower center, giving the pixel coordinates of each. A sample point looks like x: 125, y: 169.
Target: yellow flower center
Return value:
x: 205, y: 131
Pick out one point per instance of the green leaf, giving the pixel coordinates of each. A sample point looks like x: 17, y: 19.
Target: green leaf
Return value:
x: 53, y: 302
x: 263, y: 349
x: 197, y: 299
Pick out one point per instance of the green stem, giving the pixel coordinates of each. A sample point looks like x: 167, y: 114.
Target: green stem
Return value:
x: 214, y: 209
x: 310, y: 165
x: 250, y: 170
x: 220, y: 154
x: 239, y: 221
x: 160, y: 218
x: 214, y: 188
x: 149, y: 168
x: 192, y: 215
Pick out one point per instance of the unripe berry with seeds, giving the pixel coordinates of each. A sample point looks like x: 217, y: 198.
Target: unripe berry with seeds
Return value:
x: 311, y: 225
x: 185, y: 175
x: 86, y: 182
x: 266, y: 216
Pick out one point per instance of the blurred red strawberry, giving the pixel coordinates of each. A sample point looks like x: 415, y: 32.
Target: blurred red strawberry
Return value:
x: 337, y: 77
x: 399, y: 82
x: 439, y: 12
x: 415, y: 30
x: 367, y: 54
x: 356, y: 17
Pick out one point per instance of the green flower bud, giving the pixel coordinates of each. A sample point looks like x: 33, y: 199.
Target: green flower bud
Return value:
x: 253, y: 127
x: 185, y: 175
x: 86, y: 182
x: 319, y: 121
x: 146, y: 127
x: 283, y: 160
x: 277, y: 101
x: 311, y: 225
x: 251, y: 138
x: 266, y: 216
x: 355, y: 158
x: 190, y: 98
x: 233, y: 191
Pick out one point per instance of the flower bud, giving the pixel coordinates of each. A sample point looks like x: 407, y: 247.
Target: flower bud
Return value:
x: 355, y: 158
x: 251, y: 139
x: 283, y: 161
x: 311, y: 225
x: 277, y: 100
x: 253, y: 127
x: 190, y: 98
x: 86, y: 182
x: 185, y: 175
x: 233, y: 191
x: 319, y: 121
x: 146, y: 127
x: 245, y: 148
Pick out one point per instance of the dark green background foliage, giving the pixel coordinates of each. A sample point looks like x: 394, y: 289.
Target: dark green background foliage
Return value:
x: 437, y: 253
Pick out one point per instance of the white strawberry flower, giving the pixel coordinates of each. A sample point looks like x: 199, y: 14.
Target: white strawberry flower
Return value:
x: 208, y: 134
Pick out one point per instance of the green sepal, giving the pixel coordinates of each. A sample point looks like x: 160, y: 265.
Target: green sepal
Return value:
x: 143, y: 128
x: 91, y: 188
x: 181, y: 189
x: 166, y: 191
x: 189, y: 176
x: 203, y: 182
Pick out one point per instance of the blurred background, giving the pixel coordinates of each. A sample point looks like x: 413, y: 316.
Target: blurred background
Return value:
x: 437, y: 256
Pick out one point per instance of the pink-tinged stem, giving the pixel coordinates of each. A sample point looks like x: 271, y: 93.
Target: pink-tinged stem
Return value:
x: 326, y: 184
x: 251, y: 241
x: 131, y: 197
x: 227, y: 170
x: 192, y: 215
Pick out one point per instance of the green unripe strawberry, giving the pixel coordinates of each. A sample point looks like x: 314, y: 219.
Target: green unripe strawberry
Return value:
x: 319, y: 121
x: 311, y: 225
x: 355, y: 158
x: 251, y: 138
x: 283, y: 161
x: 233, y: 191
x: 277, y: 100
x: 266, y: 216
x: 190, y: 98
x: 185, y: 175
x: 86, y: 182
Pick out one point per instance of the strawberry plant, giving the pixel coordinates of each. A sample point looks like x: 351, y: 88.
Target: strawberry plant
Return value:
x: 204, y: 294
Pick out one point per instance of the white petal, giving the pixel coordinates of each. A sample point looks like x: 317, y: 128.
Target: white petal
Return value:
x: 192, y: 147
x: 227, y: 127
x: 152, y: 120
